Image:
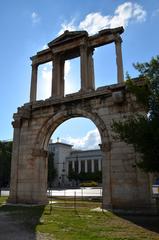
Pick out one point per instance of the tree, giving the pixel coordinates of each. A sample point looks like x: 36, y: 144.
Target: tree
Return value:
x: 5, y: 163
x: 142, y: 131
x: 90, y: 176
x: 85, y: 176
x: 72, y: 175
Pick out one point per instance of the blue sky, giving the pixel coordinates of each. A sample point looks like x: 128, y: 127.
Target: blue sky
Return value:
x: 27, y: 26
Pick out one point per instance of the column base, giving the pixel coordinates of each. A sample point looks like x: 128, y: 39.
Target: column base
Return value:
x: 22, y: 201
x: 107, y: 206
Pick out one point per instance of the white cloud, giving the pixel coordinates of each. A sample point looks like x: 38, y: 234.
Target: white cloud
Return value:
x: 90, y: 141
x: 70, y: 83
x: 139, y: 13
x: 128, y: 11
x: 45, y: 46
x: 35, y: 18
x: 94, y: 22
x: 67, y: 68
x: 67, y: 26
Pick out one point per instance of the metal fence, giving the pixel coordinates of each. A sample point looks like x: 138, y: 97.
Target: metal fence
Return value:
x: 70, y: 198
x: 75, y: 198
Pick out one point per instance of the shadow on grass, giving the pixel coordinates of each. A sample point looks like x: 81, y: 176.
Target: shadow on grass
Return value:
x: 148, y: 222
x: 19, y: 222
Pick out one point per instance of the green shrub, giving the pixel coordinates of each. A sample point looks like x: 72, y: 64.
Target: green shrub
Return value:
x: 89, y: 184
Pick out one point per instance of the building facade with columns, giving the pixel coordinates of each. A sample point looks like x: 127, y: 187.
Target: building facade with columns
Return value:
x: 67, y: 159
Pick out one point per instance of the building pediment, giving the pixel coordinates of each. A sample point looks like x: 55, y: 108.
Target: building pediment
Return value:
x: 67, y: 36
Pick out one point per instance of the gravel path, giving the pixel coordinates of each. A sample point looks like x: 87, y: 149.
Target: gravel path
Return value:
x: 16, y: 230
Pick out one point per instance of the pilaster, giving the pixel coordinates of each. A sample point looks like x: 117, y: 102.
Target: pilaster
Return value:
x: 15, y: 162
x: 106, y: 175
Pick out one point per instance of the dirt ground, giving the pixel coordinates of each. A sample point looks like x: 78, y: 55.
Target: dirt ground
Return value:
x: 16, y: 230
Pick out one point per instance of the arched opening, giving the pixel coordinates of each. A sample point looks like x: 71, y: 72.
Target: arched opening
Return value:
x: 63, y: 115
x: 75, y: 155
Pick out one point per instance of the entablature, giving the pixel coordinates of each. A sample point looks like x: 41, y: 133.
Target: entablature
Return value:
x: 71, y: 41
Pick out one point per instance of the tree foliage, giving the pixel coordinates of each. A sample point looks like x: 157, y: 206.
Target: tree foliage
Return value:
x: 142, y: 131
x: 5, y: 163
x: 85, y: 176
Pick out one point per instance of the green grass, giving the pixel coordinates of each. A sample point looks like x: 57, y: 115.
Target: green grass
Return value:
x: 2, y: 200
x: 80, y: 224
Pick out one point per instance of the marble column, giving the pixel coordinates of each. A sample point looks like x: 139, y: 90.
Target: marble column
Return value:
x: 79, y: 166
x: 84, y: 67
x: 99, y: 165
x: 92, y: 163
x: 57, y: 77
x: 73, y: 165
x: 119, y: 61
x: 33, y: 88
x: 86, y: 169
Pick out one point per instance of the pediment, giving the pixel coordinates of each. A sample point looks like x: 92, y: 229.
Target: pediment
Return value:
x: 68, y: 36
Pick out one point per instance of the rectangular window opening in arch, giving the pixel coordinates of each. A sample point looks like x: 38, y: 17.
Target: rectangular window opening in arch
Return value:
x: 44, y: 81
x: 72, y: 76
x: 105, y: 68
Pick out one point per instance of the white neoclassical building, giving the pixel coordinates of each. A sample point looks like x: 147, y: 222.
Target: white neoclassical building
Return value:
x: 80, y: 161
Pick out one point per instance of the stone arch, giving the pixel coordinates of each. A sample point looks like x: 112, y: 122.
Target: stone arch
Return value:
x: 63, y: 115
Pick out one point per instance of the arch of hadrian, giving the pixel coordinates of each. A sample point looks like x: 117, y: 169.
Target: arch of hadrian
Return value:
x: 124, y: 185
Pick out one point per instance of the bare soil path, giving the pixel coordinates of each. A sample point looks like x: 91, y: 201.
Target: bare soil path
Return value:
x: 11, y: 229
